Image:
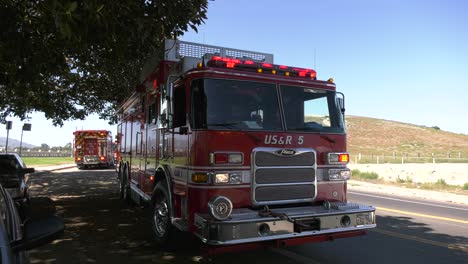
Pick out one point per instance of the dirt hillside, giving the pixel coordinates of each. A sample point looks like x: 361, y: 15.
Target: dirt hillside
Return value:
x: 383, y: 137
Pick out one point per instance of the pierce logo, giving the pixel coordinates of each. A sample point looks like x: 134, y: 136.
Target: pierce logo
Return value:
x: 286, y: 152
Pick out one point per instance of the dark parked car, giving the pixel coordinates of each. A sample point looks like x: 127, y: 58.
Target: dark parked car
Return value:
x: 14, y: 176
x: 17, y: 237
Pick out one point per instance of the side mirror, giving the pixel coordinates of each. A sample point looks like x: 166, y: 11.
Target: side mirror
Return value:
x: 341, y: 102
x: 38, y: 232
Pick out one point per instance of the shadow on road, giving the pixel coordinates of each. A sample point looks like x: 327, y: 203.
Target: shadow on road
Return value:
x: 100, y: 228
x: 395, y: 240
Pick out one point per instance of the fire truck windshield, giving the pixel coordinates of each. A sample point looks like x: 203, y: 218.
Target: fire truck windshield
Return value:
x: 235, y: 105
x: 219, y: 104
x: 308, y: 109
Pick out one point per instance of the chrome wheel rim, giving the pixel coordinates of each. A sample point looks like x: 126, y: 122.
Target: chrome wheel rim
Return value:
x: 161, y: 217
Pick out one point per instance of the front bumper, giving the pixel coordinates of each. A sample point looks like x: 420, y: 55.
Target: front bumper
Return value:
x: 246, y: 226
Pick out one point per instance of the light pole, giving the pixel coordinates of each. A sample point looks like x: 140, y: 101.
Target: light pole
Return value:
x: 26, y: 127
x: 8, y: 127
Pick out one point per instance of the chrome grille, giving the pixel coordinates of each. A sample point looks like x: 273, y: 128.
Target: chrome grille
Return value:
x: 280, y: 179
x: 273, y: 159
x: 277, y: 193
x: 284, y: 175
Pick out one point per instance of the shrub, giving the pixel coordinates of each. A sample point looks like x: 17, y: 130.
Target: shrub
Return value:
x: 441, y: 182
x: 364, y: 175
x: 407, y: 180
x: 465, y: 186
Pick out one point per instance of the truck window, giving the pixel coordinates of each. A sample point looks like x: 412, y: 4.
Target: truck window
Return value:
x: 234, y: 105
x: 179, y: 106
x: 128, y: 135
x: 152, y: 115
x: 308, y: 109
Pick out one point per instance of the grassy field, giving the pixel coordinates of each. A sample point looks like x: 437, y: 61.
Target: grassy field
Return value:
x: 45, y: 161
x: 371, y: 136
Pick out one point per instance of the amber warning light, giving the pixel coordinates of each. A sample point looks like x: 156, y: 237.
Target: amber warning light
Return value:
x: 338, y: 158
x: 343, y: 158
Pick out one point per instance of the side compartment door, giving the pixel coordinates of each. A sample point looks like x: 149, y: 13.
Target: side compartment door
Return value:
x: 135, y: 151
x: 150, y: 145
x: 141, y: 143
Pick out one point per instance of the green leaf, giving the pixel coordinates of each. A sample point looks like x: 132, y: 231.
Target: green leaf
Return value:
x: 100, y: 8
x: 104, y: 47
x: 73, y: 6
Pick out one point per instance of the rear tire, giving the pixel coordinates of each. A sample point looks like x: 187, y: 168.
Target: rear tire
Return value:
x: 125, y: 187
x: 163, y: 230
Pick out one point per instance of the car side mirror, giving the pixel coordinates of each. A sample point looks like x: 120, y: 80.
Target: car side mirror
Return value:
x: 38, y: 232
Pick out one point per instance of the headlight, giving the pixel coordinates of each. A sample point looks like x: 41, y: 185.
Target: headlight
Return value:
x: 228, y: 178
x: 338, y: 174
x: 220, y: 207
x: 221, y: 178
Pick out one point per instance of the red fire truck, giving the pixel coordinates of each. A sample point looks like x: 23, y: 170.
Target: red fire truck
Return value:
x: 237, y: 150
x: 93, y: 148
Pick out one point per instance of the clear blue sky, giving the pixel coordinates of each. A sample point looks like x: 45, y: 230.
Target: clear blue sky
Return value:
x: 398, y: 60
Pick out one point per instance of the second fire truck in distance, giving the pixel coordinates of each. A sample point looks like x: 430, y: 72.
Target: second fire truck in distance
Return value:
x: 237, y: 150
x: 93, y: 148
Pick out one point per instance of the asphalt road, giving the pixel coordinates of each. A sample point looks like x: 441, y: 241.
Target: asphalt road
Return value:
x: 102, y: 229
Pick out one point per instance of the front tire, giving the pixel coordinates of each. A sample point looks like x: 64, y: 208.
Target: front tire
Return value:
x: 163, y: 230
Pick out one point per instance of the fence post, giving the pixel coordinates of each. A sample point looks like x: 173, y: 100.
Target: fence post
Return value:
x: 402, y: 160
x: 394, y: 155
x: 359, y: 155
x: 377, y: 159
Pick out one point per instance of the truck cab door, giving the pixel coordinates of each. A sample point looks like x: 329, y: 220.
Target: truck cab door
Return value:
x: 179, y: 146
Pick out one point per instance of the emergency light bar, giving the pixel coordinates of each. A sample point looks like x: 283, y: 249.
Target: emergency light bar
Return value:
x: 253, y: 66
